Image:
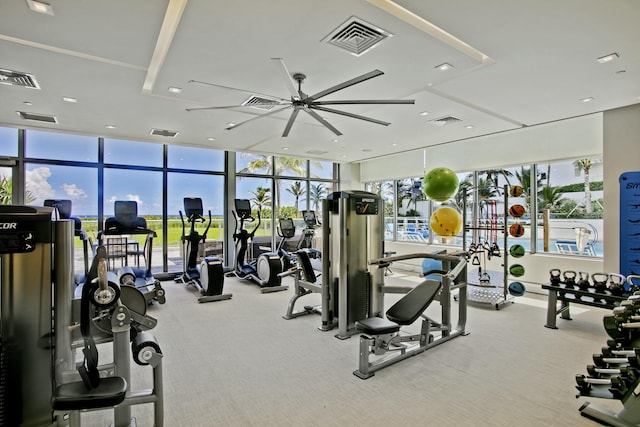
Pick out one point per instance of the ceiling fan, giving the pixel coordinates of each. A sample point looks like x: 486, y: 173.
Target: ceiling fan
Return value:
x: 300, y: 101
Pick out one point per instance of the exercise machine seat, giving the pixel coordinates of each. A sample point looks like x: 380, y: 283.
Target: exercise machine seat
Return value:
x: 75, y: 396
x: 307, y: 268
x: 414, y: 303
x: 377, y: 326
x: 404, y: 312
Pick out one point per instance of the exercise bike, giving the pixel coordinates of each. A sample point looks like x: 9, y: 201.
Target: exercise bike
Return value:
x: 208, y: 277
x: 266, y: 269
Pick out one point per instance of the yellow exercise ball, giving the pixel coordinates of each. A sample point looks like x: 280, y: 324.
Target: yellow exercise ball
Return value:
x: 446, y: 222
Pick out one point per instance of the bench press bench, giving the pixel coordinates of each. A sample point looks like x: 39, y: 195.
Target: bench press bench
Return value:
x: 381, y: 336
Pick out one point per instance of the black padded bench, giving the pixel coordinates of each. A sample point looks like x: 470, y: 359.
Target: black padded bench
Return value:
x: 404, y: 312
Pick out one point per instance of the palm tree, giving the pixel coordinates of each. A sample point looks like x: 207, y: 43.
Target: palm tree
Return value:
x: 261, y: 197
x: 283, y: 164
x: 585, y: 166
x: 549, y: 198
x: 493, y: 175
x: 524, y: 177
x: 317, y: 192
x: 6, y: 192
x: 297, y: 190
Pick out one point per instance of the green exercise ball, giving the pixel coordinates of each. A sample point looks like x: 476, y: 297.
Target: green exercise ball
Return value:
x: 516, y: 251
x: 440, y: 184
x: 446, y: 222
x: 516, y: 270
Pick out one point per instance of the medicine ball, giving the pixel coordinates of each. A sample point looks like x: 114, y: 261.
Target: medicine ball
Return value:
x: 516, y: 211
x: 446, y: 222
x: 516, y: 289
x: 440, y: 184
x: 516, y: 251
x: 516, y: 230
x: 516, y: 270
x: 515, y: 191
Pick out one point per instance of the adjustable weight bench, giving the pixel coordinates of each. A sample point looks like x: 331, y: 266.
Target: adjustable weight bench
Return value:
x: 382, y: 335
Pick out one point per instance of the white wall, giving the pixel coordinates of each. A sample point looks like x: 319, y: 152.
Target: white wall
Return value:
x: 566, y: 139
x: 621, y: 134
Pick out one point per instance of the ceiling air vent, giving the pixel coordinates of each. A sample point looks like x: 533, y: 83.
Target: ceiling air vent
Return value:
x: 16, y: 78
x: 356, y: 36
x: 164, y: 132
x: 37, y: 117
x: 444, y: 121
x: 317, y: 152
x: 260, y: 103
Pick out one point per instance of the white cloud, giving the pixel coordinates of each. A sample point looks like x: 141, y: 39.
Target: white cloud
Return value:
x: 135, y: 198
x: 37, y: 183
x: 73, y: 191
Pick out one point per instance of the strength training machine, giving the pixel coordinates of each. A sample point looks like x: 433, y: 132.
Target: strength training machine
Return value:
x: 264, y: 270
x: 208, y: 276
x: 381, y: 336
x: 40, y: 383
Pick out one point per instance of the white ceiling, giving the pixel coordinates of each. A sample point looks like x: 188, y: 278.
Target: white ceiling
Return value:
x: 516, y: 63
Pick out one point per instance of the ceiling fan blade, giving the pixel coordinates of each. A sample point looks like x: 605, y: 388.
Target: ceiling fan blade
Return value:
x: 354, y: 81
x: 292, y: 118
x: 354, y: 116
x: 256, y: 118
x: 364, y: 101
x: 238, y: 90
x: 222, y: 107
x: 323, y: 121
x: 289, y: 82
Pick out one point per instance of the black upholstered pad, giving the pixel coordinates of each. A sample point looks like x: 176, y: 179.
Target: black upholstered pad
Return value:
x: 410, y: 307
x: 75, y: 396
x: 377, y: 326
x: 307, y: 268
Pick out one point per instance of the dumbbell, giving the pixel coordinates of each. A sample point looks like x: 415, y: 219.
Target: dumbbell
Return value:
x: 616, y: 284
x: 602, y: 361
x: 625, y: 371
x: 554, y: 274
x: 583, y: 281
x: 569, y: 277
x: 618, y: 385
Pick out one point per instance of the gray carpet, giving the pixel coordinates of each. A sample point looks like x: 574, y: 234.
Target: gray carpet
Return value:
x: 239, y: 363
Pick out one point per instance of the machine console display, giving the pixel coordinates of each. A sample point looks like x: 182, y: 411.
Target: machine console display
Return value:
x: 366, y: 206
x: 16, y: 241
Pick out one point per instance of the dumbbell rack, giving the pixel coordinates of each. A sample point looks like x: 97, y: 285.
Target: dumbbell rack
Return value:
x: 568, y: 296
x: 615, y: 373
x: 496, y: 295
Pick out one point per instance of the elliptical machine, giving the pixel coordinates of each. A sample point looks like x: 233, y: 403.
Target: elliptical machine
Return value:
x: 286, y: 230
x: 208, y: 277
x: 266, y: 269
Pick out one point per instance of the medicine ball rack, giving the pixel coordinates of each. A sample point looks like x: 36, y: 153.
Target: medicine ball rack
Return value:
x: 484, y: 292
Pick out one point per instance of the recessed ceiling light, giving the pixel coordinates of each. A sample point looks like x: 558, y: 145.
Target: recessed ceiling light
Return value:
x: 69, y: 99
x: 285, y: 148
x: 444, y: 66
x: 334, y: 140
x: 367, y: 150
x: 424, y: 113
x: 110, y: 126
x: 344, y: 156
x: 27, y: 103
x: 394, y: 144
x: 211, y: 138
x: 607, y: 58
x: 468, y: 127
x: 230, y: 125
x: 589, y: 99
x: 40, y: 7
x: 621, y: 71
x: 174, y: 89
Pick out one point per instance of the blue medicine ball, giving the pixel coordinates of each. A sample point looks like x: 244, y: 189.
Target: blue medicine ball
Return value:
x: 516, y: 289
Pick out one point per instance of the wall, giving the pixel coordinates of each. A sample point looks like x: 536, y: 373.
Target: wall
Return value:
x: 560, y: 140
x: 621, y: 134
